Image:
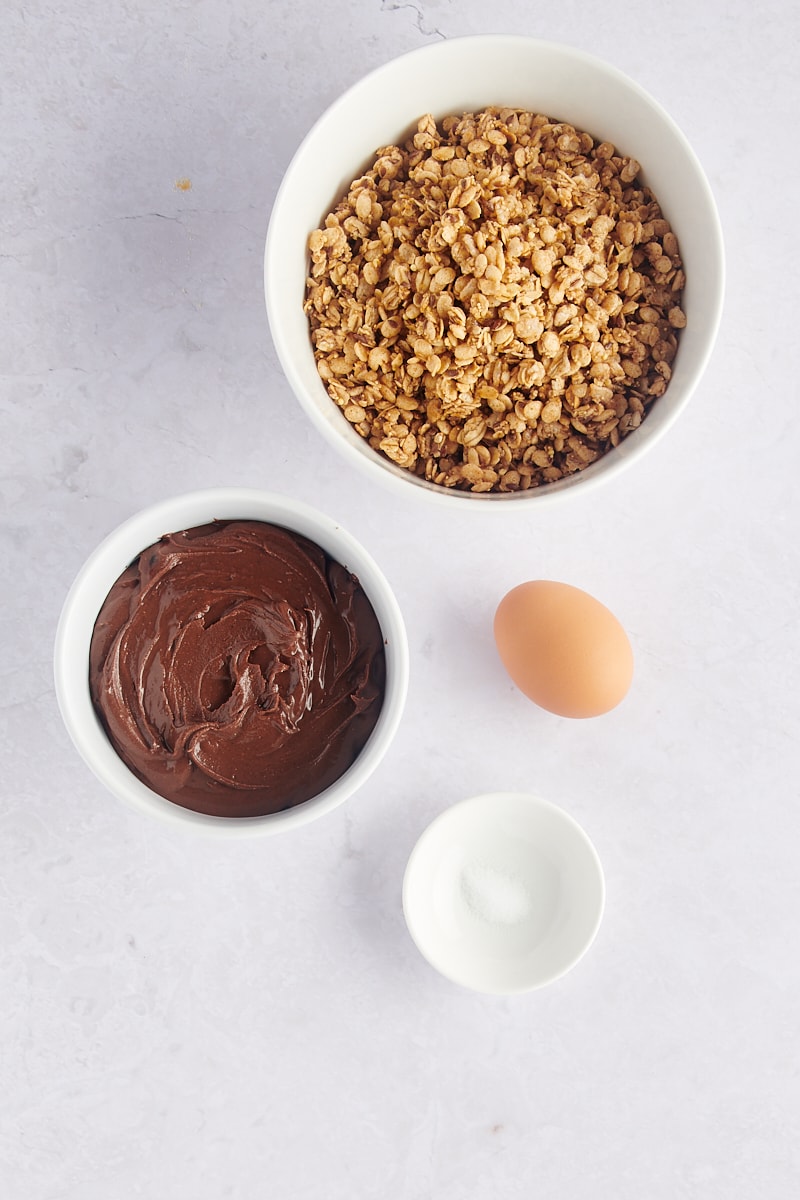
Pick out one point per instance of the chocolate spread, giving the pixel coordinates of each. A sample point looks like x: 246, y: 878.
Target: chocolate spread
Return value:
x: 237, y: 668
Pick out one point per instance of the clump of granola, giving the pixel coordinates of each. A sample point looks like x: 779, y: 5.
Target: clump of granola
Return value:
x: 497, y: 302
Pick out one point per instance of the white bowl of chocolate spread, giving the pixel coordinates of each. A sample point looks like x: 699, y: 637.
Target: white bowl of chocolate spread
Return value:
x: 231, y: 660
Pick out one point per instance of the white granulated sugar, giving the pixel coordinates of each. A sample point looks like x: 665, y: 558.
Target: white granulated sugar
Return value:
x: 493, y: 895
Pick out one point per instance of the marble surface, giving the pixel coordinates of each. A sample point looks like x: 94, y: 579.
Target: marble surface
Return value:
x: 202, y: 1020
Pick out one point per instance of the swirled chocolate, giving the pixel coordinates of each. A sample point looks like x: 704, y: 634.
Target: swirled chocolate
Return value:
x: 236, y: 668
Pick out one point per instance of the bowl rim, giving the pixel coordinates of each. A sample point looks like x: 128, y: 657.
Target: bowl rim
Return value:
x: 632, y: 449
x: 102, y: 567
x: 486, y: 805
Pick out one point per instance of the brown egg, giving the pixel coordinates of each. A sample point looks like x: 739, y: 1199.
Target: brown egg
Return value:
x: 563, y: 648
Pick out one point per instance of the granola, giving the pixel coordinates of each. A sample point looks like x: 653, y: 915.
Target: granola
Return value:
x: 497, y: 302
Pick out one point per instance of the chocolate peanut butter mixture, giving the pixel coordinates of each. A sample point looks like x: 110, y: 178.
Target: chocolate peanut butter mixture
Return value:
x: 236, y: 668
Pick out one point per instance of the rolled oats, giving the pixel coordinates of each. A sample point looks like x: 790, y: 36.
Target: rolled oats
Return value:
x: 497, y: 302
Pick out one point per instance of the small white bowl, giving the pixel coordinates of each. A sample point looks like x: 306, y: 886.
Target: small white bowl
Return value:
x: 503, y: 893
x: 466, y: 75
x: 107, y: 563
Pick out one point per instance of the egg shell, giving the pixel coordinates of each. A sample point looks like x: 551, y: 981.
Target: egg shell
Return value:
x: 565, y: 650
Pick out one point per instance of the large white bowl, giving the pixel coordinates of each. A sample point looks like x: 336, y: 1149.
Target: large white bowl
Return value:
x: 107, y: 563
x: 463, y: 75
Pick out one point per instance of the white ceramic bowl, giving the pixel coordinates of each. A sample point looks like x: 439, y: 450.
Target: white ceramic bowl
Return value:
x: 463, y: 75
x: 108, y: 562
x: 503, y: 893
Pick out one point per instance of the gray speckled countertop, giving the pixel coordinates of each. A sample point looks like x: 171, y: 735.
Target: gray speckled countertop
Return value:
x: 197, y: 1020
